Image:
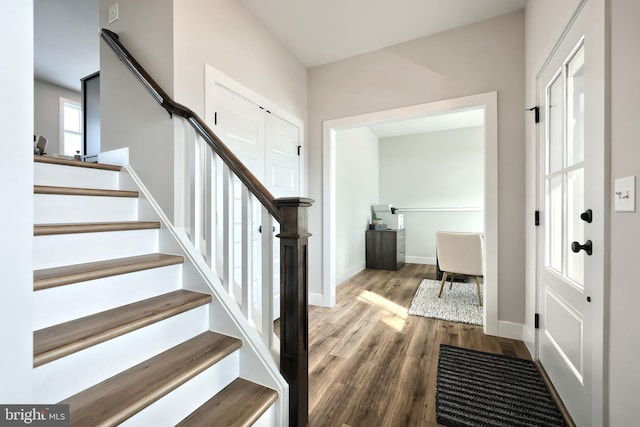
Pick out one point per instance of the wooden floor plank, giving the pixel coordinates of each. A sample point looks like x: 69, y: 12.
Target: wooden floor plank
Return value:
x: 410, y: 394
x: 387, y: 375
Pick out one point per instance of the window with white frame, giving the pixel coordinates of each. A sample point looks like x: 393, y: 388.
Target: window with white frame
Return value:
x: 70, y: 127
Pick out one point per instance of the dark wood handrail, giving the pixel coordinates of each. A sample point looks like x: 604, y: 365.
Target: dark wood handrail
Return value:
x: 231, y: 160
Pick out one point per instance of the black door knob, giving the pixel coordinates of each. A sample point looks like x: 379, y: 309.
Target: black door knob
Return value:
x: 587, y: 247
x: 587, y: 216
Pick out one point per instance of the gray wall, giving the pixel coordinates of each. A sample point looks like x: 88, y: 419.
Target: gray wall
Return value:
x: 173, y: 41
x: 130, y: 116
x: 356, y: 190
x: 434, y: 170
x: 46, y: 111
x: 624, y: 345
x: 478, y: 58
x: 223, y: 34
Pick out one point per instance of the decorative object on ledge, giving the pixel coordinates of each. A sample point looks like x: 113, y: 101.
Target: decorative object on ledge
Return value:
x: 378, y: 226
x: 40, y: 145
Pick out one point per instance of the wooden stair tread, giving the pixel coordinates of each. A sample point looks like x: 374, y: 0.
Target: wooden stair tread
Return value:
x: 122, y: 396
x: 66, y: 338
x: 92, y: 227
x: 76, y: 191
x: 58, y: 276
x: 241, y: 403
x: 76, y: 163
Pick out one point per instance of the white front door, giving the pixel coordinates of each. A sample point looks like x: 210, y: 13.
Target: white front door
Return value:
x: 571, y: 215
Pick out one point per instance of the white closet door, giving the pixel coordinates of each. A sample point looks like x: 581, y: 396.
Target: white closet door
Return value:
x: 269, y: 146
x: 282, y: 158
x: 241, y: 126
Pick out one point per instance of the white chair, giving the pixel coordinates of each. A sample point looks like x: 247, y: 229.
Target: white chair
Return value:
x: 460, y: 253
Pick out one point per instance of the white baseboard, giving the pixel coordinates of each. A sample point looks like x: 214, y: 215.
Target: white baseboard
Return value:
x: 529, y: 338
x: 420, y: 260
x: 510, y: 330
x: 316, y: 299
x: 350, y: 273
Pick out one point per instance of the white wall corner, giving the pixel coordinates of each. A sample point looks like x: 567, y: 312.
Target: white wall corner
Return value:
x: 510, y: 330
x: 16, y: 174
x: 316, y: 299
x: 119, y: 157
x: 350, y: 273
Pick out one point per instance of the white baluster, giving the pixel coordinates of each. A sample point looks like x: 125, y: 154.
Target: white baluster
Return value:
x: 191, y: 203
x: 209, y: 208
x: 181, y: 175
x: 247, y: 253
x: 266, y: 311
x: 227, y: 229
x: 199, y: 189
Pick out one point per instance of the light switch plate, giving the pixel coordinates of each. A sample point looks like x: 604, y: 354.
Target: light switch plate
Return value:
x: 113, y: 13
x: 624, y: 194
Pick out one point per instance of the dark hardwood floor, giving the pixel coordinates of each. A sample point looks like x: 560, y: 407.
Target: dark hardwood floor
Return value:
x: 372, y: 364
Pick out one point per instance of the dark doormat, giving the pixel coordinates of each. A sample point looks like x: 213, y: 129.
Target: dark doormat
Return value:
x: 481, y: 389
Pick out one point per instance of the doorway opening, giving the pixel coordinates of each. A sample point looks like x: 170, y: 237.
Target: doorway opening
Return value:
x: 486, y: 102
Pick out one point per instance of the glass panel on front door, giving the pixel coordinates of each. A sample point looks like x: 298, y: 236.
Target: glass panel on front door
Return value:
x: 575, y: 108
x: 565, y: 168
x: 555, y: 115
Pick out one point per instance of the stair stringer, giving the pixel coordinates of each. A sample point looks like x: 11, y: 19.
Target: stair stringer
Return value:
x: 256, y: 360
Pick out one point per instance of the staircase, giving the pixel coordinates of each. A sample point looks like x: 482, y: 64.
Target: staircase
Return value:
x: 121, y: 333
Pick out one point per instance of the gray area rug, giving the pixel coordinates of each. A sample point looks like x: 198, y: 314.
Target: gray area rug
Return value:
x: 459, y: 304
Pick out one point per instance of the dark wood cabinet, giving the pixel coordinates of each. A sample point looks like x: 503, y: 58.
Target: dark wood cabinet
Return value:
x: 385, y: 249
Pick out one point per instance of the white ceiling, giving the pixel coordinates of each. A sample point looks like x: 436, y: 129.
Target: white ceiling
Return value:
x: 316, y: 32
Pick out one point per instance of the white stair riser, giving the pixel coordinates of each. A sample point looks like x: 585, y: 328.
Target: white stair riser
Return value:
x: 68, y: 249
x: 68, y: 302
x: 181, y: 402
x: 69, y: 375
x: 61, y: 209
x: 71, y: 176
x: 267, y: 419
